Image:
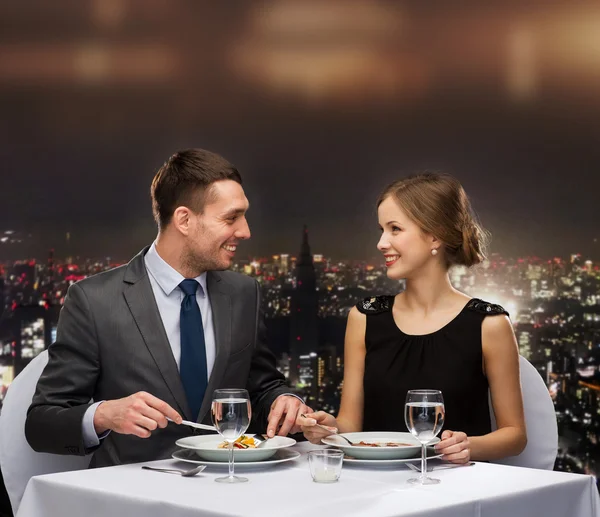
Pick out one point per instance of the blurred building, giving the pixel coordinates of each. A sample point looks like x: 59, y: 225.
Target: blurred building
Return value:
x: 304, y: 335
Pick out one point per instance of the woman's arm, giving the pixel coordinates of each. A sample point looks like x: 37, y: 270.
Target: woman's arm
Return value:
x: 501, y: 366
x: 350, y: 415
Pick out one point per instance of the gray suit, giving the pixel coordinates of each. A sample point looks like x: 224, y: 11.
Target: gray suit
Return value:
x: 111, y: 343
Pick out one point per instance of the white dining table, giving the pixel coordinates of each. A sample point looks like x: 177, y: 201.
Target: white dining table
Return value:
x: 481, y: 490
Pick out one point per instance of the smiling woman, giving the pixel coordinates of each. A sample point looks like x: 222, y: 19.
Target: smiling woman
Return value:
x: 431, y: 336
x: 436, y: 210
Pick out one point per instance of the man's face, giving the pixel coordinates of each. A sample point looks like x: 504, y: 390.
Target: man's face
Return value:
x: 215, y: 233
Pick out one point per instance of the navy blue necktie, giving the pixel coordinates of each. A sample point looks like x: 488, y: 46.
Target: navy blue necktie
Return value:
x: 192, y: 367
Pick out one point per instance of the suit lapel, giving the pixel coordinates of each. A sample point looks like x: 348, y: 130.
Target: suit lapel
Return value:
x: 142, y: 304
x: 220, y: 302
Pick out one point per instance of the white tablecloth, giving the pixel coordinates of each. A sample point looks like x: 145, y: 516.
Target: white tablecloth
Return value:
x: 482, y: 490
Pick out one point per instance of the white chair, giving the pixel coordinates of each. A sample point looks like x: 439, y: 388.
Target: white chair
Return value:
x: 540, y: 419
x: 18, y: 461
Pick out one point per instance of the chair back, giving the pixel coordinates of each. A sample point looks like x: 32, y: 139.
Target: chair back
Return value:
x: 540, y: 419
x: 18, y: 461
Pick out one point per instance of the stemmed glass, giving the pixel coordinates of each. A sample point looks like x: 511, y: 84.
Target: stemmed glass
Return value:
x: 231, y: 413
x: 424, y: 416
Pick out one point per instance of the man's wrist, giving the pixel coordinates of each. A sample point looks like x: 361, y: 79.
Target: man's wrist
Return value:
x: 91, y: 438
x: 100, y: 422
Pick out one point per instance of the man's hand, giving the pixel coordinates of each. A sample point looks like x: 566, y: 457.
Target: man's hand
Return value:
x: 139, y: 414
x: 285, y: 412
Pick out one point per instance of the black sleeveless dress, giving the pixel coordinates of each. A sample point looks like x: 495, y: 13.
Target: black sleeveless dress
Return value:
x: 449, y: 359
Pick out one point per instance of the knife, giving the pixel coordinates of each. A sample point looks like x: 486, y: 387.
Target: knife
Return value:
x: 204, y: 427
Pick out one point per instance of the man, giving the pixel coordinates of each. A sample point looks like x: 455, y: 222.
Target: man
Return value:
x: 152, y: 340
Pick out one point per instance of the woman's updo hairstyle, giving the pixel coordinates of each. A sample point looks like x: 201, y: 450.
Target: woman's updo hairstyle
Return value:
x: 438, y: 204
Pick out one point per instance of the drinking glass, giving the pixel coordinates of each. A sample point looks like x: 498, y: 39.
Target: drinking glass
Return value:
x: 424, y: 416
x: 325, y: 465
x: 231, y: 413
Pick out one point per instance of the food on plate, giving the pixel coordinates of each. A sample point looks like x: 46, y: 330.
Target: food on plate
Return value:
x: 243, y: 442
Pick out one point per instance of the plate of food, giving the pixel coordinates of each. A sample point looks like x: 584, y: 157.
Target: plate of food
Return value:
x: 214, y: 448
x: 280, y: 456
x: 376, y: 445
x: 431, y: 454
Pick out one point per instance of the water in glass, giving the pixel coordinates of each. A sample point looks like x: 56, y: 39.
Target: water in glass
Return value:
x: 231, y: 413
x: 231, y: 417
x: 424, y: 419
x: 424, y: 416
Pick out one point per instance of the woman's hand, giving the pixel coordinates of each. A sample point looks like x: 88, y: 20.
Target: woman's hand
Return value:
x: 311, y: 431
x: 455, y: 447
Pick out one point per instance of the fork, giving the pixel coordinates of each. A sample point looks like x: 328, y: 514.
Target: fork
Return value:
x: 261, y: 439
x: 344, y: 438
x: 443, y: 466
x: 328, y: 429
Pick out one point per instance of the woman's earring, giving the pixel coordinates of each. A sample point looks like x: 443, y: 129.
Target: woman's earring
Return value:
x: 434, y: 251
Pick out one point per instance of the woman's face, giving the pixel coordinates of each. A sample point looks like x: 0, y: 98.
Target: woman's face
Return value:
x: 405, y: 246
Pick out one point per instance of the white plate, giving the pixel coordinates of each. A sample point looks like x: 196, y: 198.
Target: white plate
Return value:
x: 205, y: 446
x: 377, y: 453
x: 430, y: 456
x: 280, y: 456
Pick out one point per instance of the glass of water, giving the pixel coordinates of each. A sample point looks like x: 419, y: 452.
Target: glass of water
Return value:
x: 325, y: 465
x: 424, y: 417
x: 231, y: 415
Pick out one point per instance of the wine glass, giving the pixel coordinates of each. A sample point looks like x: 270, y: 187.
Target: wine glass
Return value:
x: 231, y: 413
x: 424, y: 416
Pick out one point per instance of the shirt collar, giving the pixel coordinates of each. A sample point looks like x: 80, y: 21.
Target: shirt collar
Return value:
x: 166, y: 277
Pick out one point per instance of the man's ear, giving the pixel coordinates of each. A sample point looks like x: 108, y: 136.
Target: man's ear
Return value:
x: 181, y: 220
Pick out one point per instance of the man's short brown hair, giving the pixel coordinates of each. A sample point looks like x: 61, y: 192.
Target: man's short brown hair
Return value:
x: 185, y: 180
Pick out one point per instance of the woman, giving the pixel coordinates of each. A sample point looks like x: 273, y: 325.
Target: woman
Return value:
x: 430, y: 336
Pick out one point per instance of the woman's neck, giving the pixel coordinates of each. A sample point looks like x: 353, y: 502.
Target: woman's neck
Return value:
x: 426, y: 293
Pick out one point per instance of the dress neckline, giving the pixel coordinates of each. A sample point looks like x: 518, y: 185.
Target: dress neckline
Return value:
x: 429, y: 333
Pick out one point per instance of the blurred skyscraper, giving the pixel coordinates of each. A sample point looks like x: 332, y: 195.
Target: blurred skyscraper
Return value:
x: 304, y: 333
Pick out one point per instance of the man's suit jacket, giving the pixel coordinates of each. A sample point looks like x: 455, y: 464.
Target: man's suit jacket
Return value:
x: 111, y: 343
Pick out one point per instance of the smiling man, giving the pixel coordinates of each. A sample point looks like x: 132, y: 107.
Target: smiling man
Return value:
x: 152, y: 340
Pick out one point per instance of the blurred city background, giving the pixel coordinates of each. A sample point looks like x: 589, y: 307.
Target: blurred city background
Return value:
x: 319, y: 104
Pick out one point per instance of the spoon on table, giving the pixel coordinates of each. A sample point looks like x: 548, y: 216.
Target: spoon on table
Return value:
x: 184, y: 473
